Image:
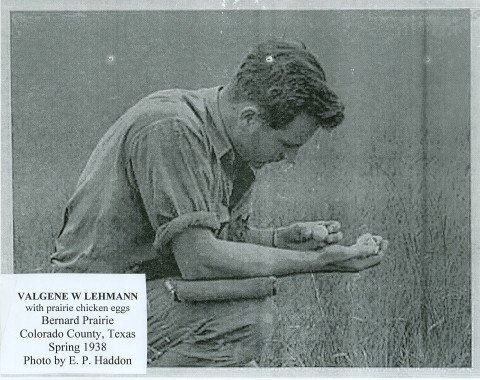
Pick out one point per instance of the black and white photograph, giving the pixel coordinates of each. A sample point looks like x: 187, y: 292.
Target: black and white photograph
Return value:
x: 293, y: 183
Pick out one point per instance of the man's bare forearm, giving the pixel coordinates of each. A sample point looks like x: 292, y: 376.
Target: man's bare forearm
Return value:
x: 201, y: 256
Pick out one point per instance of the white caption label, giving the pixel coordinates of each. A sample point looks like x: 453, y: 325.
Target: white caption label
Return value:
x: 74, y: 323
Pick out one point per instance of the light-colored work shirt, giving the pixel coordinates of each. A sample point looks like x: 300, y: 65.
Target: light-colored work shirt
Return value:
x: 166, y: 165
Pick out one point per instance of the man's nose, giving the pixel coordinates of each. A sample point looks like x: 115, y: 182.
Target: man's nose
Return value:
x: 291, y: 155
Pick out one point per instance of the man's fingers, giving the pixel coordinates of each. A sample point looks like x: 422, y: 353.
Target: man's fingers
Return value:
x: 369, y: 261
x: 319, y: 232
x: 383, y: 246
x: 334, y: 237
x: 363, y: 251
x: 373, y: 260
x: 333, y: 226
x: 364, y: 263
x: 301, y: 232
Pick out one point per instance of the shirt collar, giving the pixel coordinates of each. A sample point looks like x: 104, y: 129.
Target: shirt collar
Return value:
x: 215, y: 126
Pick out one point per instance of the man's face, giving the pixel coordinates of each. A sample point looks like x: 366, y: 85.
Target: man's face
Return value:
x: 263, y: 144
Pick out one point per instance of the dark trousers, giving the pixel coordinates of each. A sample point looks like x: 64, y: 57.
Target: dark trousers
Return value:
x: 205, y: 334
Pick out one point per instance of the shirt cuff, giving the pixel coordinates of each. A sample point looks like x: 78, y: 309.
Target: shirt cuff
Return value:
x: 166, y: 232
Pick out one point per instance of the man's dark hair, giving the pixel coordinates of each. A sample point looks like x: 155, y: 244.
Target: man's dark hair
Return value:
x: 284, y: 79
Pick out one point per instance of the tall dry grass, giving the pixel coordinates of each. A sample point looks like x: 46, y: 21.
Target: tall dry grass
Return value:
x: 413, y: 310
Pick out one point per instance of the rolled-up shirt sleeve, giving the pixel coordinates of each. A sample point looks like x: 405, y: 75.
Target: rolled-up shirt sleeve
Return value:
x: 173, y: 168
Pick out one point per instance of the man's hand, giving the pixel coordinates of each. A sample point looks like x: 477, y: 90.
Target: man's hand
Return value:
x: 364, y: 258
x: 308, y: 236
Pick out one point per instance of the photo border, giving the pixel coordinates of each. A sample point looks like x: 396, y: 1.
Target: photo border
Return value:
x: 6, y: 233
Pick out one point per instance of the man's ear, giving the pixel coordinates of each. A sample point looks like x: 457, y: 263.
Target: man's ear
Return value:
x: 250, y: 118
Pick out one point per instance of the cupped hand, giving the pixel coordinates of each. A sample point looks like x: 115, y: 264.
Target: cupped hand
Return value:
x: 307, y: 236
x: 363, y: 256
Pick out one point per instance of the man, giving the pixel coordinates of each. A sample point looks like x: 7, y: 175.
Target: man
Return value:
x: 160, y: 195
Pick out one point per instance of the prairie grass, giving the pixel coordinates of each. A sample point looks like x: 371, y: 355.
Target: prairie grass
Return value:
x: 413, y: 310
